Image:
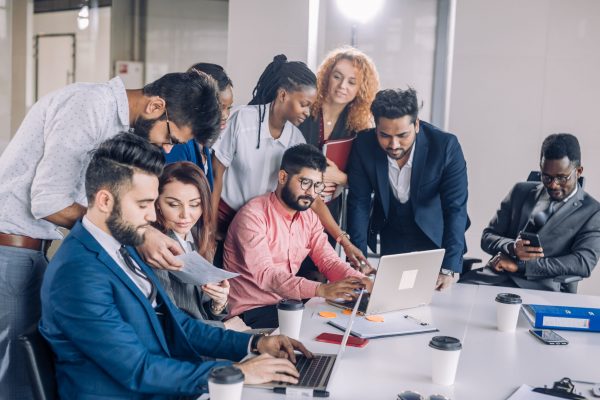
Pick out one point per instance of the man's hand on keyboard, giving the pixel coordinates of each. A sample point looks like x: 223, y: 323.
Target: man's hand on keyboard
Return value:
x: 266, y: 368
x: 281, y: 346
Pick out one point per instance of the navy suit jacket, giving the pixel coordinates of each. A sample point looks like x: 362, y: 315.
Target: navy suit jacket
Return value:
x: 438, y: 191
x: 107, y: 339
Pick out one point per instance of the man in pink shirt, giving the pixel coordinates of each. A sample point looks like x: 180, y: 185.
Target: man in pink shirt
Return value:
x: 272, y: 234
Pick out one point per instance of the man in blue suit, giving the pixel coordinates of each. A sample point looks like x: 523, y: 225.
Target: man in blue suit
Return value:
x: 419, y: 176
x: 113, y: 329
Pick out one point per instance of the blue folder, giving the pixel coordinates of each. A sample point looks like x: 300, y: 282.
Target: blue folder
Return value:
x: 559, y: 317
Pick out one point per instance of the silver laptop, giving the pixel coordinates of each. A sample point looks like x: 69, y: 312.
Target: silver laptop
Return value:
x: 315, y: 373
x: 403, y: 281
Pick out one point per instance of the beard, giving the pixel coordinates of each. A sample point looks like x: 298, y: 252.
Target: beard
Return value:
x: 124, y: 233
x: 294, y: 202
x: 142, y: 127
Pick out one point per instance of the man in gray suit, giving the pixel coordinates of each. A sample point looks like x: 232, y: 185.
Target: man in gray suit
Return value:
x: 565, y: 217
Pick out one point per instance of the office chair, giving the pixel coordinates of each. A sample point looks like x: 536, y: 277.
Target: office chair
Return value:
x: 40, y: 364
x: 568, y: 283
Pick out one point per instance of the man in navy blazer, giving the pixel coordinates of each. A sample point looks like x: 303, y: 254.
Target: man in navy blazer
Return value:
x: 113, y: 329
x: 419, y: 177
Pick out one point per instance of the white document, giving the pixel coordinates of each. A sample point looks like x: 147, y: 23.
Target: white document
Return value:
x: 525, y: 393
x: 394, y: 324
x: 198, y: 271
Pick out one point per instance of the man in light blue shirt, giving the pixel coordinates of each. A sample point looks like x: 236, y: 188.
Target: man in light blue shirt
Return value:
x: 42, y: 182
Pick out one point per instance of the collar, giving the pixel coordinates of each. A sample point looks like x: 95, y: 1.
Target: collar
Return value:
x: 280, y: 208
x: 573, y: 193
x: 118, y: 89
x: 286, y: 133
x: 108, y: 243
x: 408, y: 164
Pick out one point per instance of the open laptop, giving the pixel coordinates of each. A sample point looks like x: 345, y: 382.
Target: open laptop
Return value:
x: 403, y: 281
x: 315, y: 373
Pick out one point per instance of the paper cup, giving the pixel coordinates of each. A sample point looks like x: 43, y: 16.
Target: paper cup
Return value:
x: 289, y: 313
x: 225, y: 383
x: 446, y: 352
x: 507, y: 311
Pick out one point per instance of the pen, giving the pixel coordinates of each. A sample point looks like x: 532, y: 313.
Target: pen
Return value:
x: 418, y: 321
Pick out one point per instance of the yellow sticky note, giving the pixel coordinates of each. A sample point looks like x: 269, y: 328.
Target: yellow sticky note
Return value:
x: 327, y: 314
x: 347, y: 311
x: 374, y: 318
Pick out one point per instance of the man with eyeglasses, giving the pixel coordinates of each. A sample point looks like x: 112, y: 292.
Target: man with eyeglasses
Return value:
x: 564, y: 216
x: 272, y: 234
x: 42, y: 183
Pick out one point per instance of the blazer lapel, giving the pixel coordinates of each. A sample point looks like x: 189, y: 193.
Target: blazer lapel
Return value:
x: 572, y: 205
x: 383, y: 182
x: 531, y: 198
x: 421, y: 150
x: 91, y: 244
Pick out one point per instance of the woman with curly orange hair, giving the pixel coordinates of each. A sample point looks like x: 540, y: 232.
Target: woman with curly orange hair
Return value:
x: 347, y: 82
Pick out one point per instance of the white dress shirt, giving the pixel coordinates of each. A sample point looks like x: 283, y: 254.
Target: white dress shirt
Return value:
x: 250, y: 171
x: 111, y: 246
x: 400, y: 177
x: 42, y: 171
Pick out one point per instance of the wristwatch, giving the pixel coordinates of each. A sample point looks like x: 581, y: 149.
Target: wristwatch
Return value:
x: 254, y: 343
x: 448, y: 272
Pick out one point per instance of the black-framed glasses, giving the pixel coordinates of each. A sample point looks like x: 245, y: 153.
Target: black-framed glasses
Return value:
x: 306, y: 184
x: 410, y: 395
x: 561, y: 180
x: 171, y: 141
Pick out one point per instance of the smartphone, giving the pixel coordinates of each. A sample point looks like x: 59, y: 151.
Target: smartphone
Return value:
x: 534, y: 239
x: 548, y: 336
x: 337, y: 339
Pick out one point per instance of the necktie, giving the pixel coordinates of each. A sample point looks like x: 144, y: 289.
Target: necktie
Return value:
x: 133, y: 267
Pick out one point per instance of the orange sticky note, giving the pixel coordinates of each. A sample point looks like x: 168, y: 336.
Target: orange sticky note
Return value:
x: 374, y: 318
x: 327, y: 314
x: 347, y: 311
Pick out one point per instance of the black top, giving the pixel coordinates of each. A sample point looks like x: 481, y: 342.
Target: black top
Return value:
x: 311, y: 126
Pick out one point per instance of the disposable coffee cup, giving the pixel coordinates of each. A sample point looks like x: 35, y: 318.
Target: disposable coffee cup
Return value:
x: 507, y: 311
x: 446, y: 352
x: 225, y: 383
x: 289, y: 313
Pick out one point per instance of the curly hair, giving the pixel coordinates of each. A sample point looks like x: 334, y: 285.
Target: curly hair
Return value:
x: 359, y: 112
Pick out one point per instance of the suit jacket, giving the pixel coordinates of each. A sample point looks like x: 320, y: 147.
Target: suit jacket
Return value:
x: 570, y: 238
x: 107, y: 338
x: 438, y: 191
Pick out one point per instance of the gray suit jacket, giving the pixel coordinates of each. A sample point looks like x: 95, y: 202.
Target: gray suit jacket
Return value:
x: 570, y: 238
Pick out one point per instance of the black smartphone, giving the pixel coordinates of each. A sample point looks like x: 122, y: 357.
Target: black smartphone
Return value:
x: 534, y: 239
x: 548, y: 336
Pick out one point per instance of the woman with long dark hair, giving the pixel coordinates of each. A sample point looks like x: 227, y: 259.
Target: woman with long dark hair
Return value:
x: 183, y: 212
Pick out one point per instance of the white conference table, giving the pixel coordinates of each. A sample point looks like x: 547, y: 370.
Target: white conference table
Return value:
x: 492, y: 364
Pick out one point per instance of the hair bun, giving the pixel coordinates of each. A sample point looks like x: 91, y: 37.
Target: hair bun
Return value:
x: 280, y: 59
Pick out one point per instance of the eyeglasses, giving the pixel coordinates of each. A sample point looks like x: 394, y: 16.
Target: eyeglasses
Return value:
x: 560, y: 180
x: 306, y: 184
x: 410, y: 395
x: 171, y: 141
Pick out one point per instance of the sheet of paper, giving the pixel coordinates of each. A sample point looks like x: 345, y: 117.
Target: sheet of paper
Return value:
x: 198, y: 271
x: 525, y: 393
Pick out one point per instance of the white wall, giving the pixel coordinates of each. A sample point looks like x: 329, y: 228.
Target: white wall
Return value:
x: 400, y: 39
x: 181, y: 33
x: 258, y: 31
x: 93, y: 43
x: 523, y: 70
x: 5, y: 73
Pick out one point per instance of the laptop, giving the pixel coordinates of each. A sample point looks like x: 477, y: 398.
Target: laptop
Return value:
x: 402, y: 281
x: 315, y: 373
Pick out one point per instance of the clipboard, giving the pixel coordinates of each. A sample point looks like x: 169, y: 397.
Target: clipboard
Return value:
x: 563, y: 389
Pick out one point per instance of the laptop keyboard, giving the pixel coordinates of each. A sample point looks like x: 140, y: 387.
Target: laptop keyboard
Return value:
x: 311, y: 370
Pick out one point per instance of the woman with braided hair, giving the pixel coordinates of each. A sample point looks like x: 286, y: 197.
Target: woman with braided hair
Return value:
x: 246, y: 159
